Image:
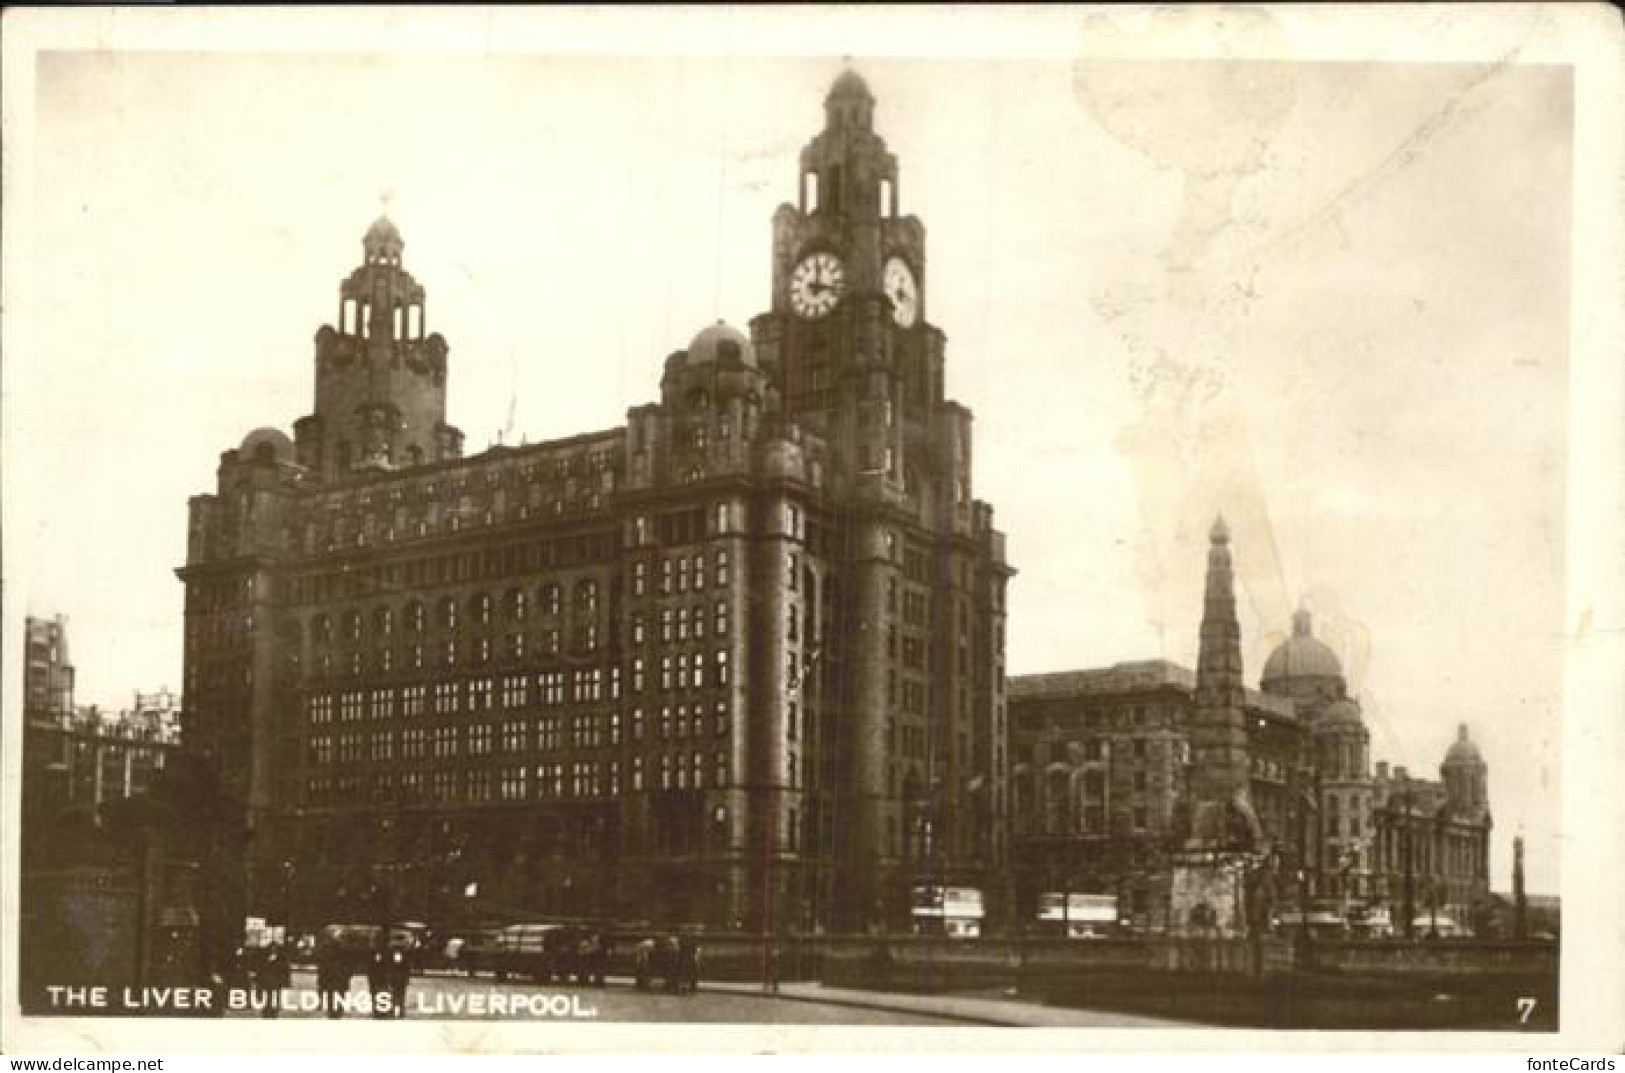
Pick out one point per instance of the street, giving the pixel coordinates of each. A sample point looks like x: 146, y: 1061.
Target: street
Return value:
x: 483, y: 998
x: 461, y: 998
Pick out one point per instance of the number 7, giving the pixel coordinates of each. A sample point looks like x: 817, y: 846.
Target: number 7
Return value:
x: 1526, y: 1006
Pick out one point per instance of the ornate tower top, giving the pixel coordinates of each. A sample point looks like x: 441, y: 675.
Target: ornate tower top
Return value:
x: 849, y: 102
x: 380, y: 373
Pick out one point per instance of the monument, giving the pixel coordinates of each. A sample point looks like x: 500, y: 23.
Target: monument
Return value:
x: 1221, y: 843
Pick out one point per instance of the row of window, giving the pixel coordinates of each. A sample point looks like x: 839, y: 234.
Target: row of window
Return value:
x: 553, y: 688
x: 546, y: 734
x: 578, y: 779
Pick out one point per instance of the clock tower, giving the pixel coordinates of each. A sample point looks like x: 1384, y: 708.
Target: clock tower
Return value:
x: 847, y: 337
x: 860, y: 367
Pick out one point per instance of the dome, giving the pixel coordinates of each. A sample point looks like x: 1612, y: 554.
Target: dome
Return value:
x: 721, y: 344
x: 850, y: 84
x: 382, y: 230
x: 1463, y: 750
x: 1302, y: 655
x: 1342, y: 712
x: 267, y: 440
x: 382, y: 239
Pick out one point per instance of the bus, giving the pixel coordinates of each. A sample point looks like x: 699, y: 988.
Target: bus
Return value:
x: 956, y: 912
x: 1077, y: 916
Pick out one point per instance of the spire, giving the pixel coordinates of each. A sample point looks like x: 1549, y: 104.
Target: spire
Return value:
x: 1218, y: 665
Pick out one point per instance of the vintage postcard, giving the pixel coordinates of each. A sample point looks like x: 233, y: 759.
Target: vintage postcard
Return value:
x: 566, y: 530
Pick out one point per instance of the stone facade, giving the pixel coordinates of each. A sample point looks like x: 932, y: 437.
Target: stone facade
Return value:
x: 738, y: 661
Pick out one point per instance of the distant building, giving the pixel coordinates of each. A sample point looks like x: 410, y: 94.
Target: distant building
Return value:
x: 48, y: 676
x: 1101, y: 762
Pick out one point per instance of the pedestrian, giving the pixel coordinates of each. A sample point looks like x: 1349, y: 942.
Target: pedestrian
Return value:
x: 379, y: 974
x: 775, y: 966
x: 273, y: 976
x: 400, y: 978
x: 687, y: 969
x: 332, y: 973
x: 670, y: 957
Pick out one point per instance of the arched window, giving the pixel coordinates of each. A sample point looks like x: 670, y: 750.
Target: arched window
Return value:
x: 415, y: 617
x: 446, y: 615
x: 1057, y: 792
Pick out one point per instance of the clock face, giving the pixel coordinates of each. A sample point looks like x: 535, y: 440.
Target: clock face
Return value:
x: 816, y: 285
x: 903, y: 291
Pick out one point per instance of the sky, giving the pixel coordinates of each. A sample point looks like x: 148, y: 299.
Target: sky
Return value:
x: 1328, y: 299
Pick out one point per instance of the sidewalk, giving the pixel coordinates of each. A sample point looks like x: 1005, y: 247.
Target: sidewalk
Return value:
x: 970, y: 1009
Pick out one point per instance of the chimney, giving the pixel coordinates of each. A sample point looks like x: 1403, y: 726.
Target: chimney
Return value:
x: 1382, y: 769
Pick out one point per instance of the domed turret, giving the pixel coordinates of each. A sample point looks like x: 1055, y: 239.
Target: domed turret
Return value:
x: 267, y: 444
x: 849, y: 103
x: 1341, y: 713
x: 721, y: 344
x: 1463, y: 750
x: 383, y: 242
x: 850, y: 84
x: 1466, y: 776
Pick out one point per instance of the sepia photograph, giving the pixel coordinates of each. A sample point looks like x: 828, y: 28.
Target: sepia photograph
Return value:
x: 1095, y: 521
